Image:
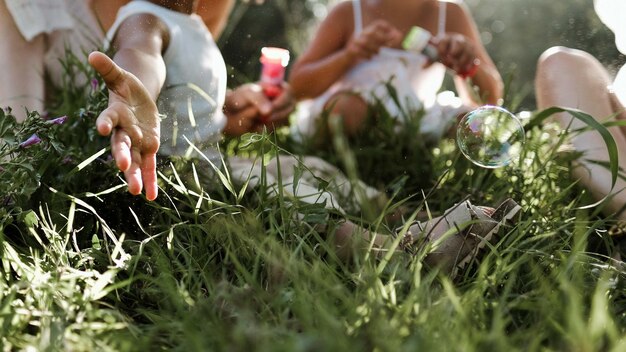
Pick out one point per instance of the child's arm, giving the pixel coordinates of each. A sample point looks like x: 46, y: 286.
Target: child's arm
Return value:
x: 132, y: 117
x: 460, y: 47
x: 334, y: 50
x: 215, y: 13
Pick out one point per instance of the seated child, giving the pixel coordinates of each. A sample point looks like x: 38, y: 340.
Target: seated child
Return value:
x: 357, y: 49
x: 171, y: 61
x: 574, y: 78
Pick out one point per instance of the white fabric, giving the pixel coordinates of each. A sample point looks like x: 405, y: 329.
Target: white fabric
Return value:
x: 358, y: 17
x: 68, y: 24
x: 34, y: 17
x: 302, y: 180
x: 441, y: 25
x: 195, y: 85
x: 417, y: 88
x: 612, y: 13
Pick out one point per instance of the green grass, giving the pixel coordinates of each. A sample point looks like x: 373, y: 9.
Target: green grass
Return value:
x: 85, y: 266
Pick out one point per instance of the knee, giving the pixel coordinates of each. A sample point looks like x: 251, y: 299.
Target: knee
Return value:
x: 559, y: 58
x: 352, y: 109
x: 344, y: 241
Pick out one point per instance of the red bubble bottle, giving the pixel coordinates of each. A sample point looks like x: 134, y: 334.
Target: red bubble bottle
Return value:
x: 274, y: 61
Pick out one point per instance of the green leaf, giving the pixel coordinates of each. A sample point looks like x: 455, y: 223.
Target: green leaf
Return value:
x: 95, y: 242
x: 29, y: 218
x: 611, y: 146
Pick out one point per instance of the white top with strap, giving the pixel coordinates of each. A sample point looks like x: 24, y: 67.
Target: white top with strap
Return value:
x: 417, y: 86
x: 195, y: 85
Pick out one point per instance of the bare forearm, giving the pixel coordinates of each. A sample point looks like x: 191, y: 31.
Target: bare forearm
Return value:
x: 215, y: 13
x: 311, y: 79
x: 149, y: 69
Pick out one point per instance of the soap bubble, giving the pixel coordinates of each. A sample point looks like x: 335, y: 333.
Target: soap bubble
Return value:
x: 490, y: 136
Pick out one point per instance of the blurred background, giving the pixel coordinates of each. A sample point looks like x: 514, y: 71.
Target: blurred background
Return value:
x: 515, y: 32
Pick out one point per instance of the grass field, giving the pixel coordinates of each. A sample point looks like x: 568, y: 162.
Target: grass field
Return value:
x: 214, y: 266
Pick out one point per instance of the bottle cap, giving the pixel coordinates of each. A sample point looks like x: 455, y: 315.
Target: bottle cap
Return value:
x: 272, y: 55
x: 416, y: 40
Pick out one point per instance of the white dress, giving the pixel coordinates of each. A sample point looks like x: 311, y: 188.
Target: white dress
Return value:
x: 195, y: 84
x: 417, y: 87
x: 612, y: 13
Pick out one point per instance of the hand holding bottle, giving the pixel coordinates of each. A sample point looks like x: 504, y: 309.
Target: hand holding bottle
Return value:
x: 452, y: 50
x: 458, y: 53
x: 367, y: 44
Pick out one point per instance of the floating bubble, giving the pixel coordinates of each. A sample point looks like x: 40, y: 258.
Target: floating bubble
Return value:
x: 490, y: 136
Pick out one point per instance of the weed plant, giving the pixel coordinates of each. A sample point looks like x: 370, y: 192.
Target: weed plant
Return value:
x: 218, y: 266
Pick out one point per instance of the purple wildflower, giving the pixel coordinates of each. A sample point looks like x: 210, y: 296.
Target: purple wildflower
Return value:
x: 58, y: 121
x: 32, y: 140
x: 94, y: 84
x: 106, y: 160
x: 67, y: 160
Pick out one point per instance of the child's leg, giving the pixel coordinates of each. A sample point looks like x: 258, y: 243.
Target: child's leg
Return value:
x: 573, y: 78
x: 22, y: 68
x: 350, y: 237
x: 351, y: 108
x: 458, y: 236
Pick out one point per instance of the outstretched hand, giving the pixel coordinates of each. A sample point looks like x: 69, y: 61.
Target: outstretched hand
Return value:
x: 132, y: 120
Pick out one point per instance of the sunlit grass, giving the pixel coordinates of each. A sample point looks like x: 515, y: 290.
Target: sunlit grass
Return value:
x: 218, y: 265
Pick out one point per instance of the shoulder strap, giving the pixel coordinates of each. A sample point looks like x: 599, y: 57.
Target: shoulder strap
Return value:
x: 358, y: 16
x: 441, y: 25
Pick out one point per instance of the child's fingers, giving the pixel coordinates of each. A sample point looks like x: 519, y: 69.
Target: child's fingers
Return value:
x: 246, y: 117
x: 148, y: 174
x: 104, y: 124
x: 461, y: 55
x: 111, y: 118
x: 107, y: 120
x: 249, y: 95
x: 285, y: 100
x: 121, y: 149
x: 365, y: 48
x: 382, y: 32
x: 106, y: 68
x: 133, y: 178
x: 466, y: 61
x: 280, y: 117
